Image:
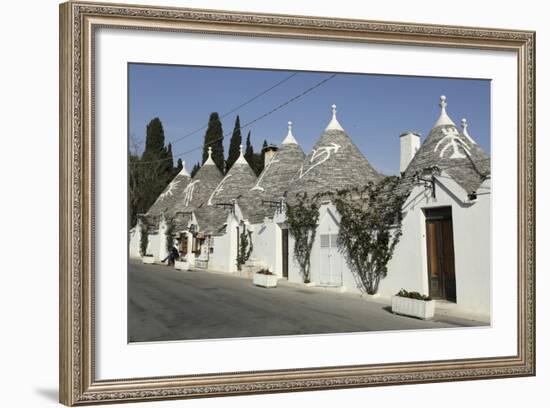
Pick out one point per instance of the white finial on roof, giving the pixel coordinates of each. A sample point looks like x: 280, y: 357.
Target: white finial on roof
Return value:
x: 334, y: 124
x: 444, y: 119
x: 465, y: 130
x: 289, y: 139
x: 183, y: 171
x: 241, y: 159
x: 209, y: 161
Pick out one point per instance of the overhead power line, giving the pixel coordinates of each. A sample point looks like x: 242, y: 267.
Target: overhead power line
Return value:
x: 282, y: 105
x: 236, y: 108
x: 232, y: 110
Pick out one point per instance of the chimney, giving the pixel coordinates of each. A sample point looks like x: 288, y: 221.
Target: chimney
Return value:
x: 269, y: 152
x: 409, y: 143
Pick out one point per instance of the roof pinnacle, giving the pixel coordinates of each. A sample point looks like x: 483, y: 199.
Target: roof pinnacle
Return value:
x: 465, y: 130
x: 183, y: 170
x: 334, y: 124
x: 209, y: 160
x: 241, y: 159
x: 444, y: 119
x: 289, y: 139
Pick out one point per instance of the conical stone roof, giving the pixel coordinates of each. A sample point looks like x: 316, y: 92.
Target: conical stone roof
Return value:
x: 169, y: 198
x: 201, y: 187
x: 453, y: 151
x: 197, y: 193
x: 185, y: 194
x: 235, y: 184
x: 335, y: 163
x: 274, y: 180
x: 240, y: 178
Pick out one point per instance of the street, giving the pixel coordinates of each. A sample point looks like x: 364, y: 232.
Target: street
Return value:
x: 166, y: 304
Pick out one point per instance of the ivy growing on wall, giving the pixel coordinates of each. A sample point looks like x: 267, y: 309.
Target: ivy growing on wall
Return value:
x: 370, y: 228
x: 245, y: 246
x: 169, y: 235
x: 302, y: 220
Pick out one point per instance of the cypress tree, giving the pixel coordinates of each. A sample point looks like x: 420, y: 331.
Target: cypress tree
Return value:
x: 260, y: 164
x: 249, y: 151
x: 234, y: 144
x: 154, y: 141
x: 179, y: 167
x: 214, y: 138
x: 151, y: 173
x: 169, y: 162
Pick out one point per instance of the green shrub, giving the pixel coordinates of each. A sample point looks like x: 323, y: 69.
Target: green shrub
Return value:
x: 413, y: 295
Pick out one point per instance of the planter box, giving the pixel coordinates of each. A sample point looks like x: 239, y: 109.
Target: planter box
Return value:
x: 265, y: 281
x: 148, y: 259
x: 421, y: 309
x: 181, y: 265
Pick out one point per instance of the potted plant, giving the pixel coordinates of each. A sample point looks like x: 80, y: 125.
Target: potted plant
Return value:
x: 265, y: 279
x: 148, y: 259
x: 413, y: 304
x: 181, y: 264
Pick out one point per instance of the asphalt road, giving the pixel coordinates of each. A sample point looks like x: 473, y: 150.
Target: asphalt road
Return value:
x: 165, y: 304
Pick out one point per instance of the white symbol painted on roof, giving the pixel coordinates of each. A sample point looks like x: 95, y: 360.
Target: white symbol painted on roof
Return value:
x: 218, y: 189
x: 266, y: 169
x: 324, y: 152
x: 452, y: 141
x: 188, y: 192
x: 170, y: 190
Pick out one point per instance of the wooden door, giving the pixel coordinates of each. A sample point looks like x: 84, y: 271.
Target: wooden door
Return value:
x: 183, y: 244
x: 285, y: 252
x: 440, y: 246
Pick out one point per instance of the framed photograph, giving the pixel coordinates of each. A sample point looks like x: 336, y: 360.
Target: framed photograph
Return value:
x: 255, y: 203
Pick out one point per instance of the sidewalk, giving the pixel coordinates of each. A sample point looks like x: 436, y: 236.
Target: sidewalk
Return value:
x: 445, y: 311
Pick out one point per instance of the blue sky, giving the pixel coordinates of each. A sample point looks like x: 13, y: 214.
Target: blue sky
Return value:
x: 373, y: 109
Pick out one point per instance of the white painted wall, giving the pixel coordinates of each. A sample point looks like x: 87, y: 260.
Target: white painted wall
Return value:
x: 408, y: 267
x: 471, y: 234
x: 224, y: 257
x: 153, y: 246
x: 161, y: 250
x: 134, y: 242
x: 268, y: 248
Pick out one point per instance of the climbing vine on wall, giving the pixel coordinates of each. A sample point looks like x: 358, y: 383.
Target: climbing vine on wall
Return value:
x: 245, y: 246
x: 144, y: 237
x: 169, y: 235
x: 302, y: 218
x: 370, y: 228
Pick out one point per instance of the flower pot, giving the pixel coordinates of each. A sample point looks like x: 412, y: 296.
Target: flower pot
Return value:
x: 181, y: 265
x: 148, y: 259
x: 422, y: 309
x: 265, y: 281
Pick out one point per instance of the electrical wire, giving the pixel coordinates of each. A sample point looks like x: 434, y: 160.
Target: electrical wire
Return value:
x: 282, y: 105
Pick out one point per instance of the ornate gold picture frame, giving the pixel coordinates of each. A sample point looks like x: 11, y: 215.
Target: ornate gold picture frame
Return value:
x: 78, y: 24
